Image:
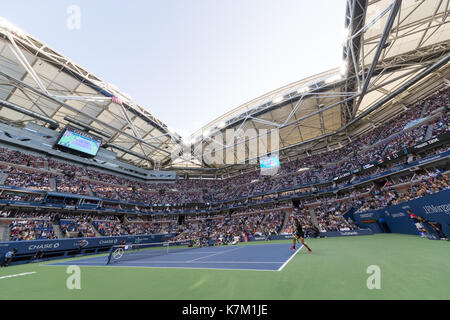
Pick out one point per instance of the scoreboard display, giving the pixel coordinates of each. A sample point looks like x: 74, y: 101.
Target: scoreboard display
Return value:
x: 77, y: 140
x: 269, y: 165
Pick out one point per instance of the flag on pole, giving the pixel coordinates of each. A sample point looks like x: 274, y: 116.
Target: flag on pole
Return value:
x: 116, y: 100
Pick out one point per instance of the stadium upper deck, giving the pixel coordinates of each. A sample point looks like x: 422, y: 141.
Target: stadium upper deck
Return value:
x: 394, y: 53
x: 399, y: 141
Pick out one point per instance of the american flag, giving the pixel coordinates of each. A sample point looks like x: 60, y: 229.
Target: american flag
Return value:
x: 116, y: 100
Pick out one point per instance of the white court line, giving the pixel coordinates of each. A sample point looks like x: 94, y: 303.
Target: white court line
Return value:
x: 182, y: 262
x: 197, y: 252
x: 208, y: 262
x: 17, y: 275
x: 284, y: 265
x: 146, y: 267
x: 215, y: 254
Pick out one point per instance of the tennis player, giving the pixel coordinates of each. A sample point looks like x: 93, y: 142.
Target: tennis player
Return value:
x: 298, y: 234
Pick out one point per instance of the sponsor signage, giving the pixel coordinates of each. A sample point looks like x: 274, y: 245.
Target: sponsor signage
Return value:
x: 434, y: 208
x: 361, y: 232
x: 395, y: 155
x: 25, y: 247
x: 434, y: 141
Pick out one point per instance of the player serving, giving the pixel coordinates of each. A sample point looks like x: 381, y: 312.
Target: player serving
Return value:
x: 298, y: 234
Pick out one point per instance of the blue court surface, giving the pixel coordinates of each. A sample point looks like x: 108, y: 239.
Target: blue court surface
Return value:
x: 264, y: 257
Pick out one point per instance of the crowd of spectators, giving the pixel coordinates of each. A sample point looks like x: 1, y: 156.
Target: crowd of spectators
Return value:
x: 19, y: 196
x: 305, y: 218
x: 405, y: 130
x: 77, y: 227
x: 29, y: 225
x: 27, y: 179
x: 330, y: 218
x: 425, y: 184
x: 108, y: 228
x: 419, y: 122
x: 251, y: 222
x: 22, y: 159
x: 23, y: 230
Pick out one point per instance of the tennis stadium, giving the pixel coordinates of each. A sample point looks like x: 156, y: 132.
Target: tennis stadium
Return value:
x: 332, y: 187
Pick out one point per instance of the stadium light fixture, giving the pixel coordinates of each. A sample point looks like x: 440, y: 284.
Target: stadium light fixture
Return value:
x: 334, y: 78
x: 222, y: 125
x: 303, y: 90
x: 278, y: 100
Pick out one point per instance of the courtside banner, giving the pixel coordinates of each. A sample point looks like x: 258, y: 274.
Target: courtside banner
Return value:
x: 348, y: 233
x: 361, y: 232
x: 434, y: 208
x: 30, y: 247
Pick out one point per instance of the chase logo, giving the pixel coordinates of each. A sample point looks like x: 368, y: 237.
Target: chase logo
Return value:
x: 112, y: 241
x: 44, y: 246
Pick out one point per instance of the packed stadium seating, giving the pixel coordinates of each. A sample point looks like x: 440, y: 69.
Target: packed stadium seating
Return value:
x: 320, y: 209
x: 31, y: 230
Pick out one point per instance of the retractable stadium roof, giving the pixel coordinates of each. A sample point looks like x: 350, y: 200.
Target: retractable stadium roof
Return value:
x: 37, y: 84
x: 393, y: 51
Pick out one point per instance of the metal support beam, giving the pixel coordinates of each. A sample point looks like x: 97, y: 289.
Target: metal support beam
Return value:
x: 386, y: 99
x: 53, y: 124
x: 381, y: 46
x: 65, y: 105
x: 130, y: 152
x: 377, y: 105
x: 86, y: 127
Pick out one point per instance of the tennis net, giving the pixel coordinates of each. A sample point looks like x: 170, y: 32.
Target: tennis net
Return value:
x: 130, y: 252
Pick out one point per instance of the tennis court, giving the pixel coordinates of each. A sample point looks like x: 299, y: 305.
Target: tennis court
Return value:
x: 265, y: 257
x: 411, y: 268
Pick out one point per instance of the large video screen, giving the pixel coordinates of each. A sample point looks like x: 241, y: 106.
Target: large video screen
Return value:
x: 79, y: 141
x: 269, y: 165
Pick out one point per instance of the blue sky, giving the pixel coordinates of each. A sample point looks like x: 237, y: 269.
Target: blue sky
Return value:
x: 190, y: 61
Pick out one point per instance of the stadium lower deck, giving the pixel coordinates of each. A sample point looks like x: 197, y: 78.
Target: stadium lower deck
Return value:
x: 411, y: 268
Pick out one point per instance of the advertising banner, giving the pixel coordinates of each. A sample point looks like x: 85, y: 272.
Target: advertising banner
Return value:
x: 433, y: 208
